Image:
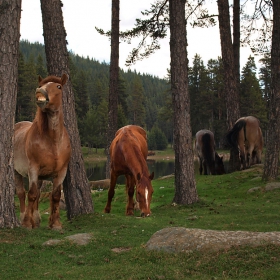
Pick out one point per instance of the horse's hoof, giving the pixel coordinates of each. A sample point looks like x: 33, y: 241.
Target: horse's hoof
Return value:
x: 56, y: 227
x: 107, y: 210
x: 27, y: 226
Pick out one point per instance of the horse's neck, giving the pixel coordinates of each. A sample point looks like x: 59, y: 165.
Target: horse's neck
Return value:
x: 51, y: 124
x: 138, y: 163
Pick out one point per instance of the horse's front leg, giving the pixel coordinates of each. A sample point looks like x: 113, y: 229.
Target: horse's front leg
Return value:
x: 111, y: 192
x: 28, y: 220
x: 21, y: 194
x: 54, y: 219
x: 130, y: 184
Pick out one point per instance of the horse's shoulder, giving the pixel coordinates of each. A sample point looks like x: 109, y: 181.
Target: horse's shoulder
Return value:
x: 23, y: 124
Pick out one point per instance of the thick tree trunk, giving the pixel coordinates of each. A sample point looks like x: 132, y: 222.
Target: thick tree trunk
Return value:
x: 236, y: 41
x: 231, y: 94
x: 273, y: 142
x: 9, y: 53
x: 230, y: 65
x: 114, y: 79
x: 75, y: 186
x: 185, y: 186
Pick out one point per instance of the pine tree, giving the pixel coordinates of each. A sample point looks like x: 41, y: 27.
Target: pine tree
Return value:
x: 252, y: 102
x: 41, y: 67
x: 137, y: 109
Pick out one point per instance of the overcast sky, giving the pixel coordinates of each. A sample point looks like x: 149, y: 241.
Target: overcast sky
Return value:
x: 81, y: 18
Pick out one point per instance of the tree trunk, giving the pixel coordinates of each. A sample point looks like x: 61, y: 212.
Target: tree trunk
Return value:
x: 273, y: 142
x: 185, y: 186
x: 75, y: 186
x: 231, y: 94
x: 236, y: 41
x: 9, y: 53
x: 114, y: 79
x: 230, y: 78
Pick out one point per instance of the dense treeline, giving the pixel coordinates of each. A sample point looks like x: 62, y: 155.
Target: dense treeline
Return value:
x: 143, y: 99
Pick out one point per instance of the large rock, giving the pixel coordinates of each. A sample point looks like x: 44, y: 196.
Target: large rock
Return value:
x: 179, y: 239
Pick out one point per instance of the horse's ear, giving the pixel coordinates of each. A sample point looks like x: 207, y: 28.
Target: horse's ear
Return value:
x: 40, y: 79
x: 138, y: 176
x: 64, y: 79
x: 152, y: 176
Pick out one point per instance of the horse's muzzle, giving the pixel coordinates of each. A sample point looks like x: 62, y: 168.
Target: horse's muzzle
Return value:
x: 143, y: 215
x: 42, y: 98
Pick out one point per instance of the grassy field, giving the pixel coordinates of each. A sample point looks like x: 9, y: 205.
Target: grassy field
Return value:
x: 224, y: 204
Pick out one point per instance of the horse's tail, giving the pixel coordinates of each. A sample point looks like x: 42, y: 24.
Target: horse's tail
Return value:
x: 207, y: 149
x: 233, y: 133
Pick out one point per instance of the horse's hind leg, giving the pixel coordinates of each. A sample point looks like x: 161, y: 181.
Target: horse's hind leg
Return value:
x: 130, y: 184
x: 111, y: 193
x: 21, y: 194
x: 200, y: 166
x: 205, y: 167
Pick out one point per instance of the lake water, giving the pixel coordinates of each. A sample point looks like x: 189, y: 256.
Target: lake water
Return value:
x: 97, y: 170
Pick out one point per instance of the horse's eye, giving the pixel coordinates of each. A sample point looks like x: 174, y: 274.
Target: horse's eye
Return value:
x: 59, y: 86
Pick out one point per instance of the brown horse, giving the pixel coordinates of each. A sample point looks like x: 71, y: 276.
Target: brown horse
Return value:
x: 246, y: 136
x: 208, y: 157
x: 41, y: 151
x: 128, y: 153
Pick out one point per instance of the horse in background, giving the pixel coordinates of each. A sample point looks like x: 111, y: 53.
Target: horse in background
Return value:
x: 42, y: 151
x: 246, y: 136
x: 128, y: 154
x: 209, y: 160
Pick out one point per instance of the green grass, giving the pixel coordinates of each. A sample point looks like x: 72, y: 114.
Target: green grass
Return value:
x: 224, y: 204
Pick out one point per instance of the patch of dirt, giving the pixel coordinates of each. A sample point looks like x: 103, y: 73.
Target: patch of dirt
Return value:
x: 121, y: 249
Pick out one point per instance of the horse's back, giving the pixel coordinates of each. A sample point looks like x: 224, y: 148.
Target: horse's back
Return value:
x: 20, y: 159
x: 203, y: 136
x: 253, y: 132
x: 129, y: 140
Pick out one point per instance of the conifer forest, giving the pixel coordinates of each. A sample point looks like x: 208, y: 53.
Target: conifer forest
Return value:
x: 143, y: 99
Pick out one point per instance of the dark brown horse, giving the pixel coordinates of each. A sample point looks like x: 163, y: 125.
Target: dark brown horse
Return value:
x: 246, y: 136
x: 41, y: 151
x: 209, y: 160
x: 128, y: 153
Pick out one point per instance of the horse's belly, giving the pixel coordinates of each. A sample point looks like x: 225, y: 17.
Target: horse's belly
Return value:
x: 20, y: 158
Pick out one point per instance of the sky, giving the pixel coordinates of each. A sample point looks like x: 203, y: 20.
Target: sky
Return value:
x: 81, y: 19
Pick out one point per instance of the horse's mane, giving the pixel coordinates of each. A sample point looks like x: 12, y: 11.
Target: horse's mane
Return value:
x: 50, y: 79
x: 232, y: 135
x: 137, y: 157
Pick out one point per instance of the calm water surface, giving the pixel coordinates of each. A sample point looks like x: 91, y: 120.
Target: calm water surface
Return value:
x: 97, y: 170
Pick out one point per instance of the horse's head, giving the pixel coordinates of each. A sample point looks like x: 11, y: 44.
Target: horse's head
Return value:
x: 219, y: 165
x: 144, y: 193
x: 49, y: 93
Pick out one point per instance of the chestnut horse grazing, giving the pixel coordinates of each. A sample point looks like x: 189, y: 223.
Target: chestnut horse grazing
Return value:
x: 42, y: 151
x: 246, y: 135
x: 128, y: 153
x: 208, y: 157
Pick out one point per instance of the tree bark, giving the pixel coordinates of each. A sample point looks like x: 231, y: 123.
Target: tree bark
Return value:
x: 231, y: 94
x: 230, y: 65
x: 9, y: 53
x: 75, y: 186
x: 236, y: 41
x: 273, y: 142
x: 114, y: 81
x: 185, y: 185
